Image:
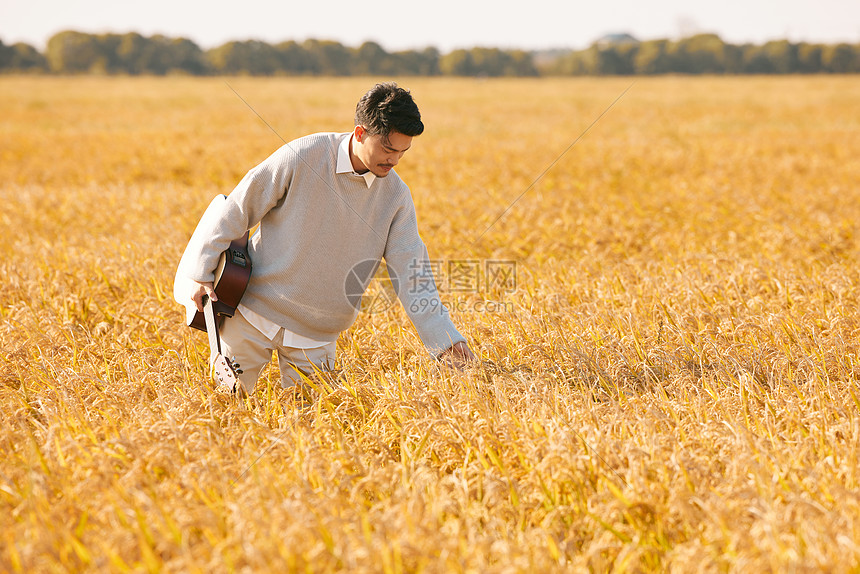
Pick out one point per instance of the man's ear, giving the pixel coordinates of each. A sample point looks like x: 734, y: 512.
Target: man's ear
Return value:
x: 359, y: 133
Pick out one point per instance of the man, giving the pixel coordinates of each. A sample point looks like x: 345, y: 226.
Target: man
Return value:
x: 327, y: 204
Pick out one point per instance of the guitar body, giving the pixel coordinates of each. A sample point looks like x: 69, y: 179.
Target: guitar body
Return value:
x: 231, y: 280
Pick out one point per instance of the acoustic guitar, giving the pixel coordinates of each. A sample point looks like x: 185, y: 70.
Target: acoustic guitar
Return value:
x: 231, y: 280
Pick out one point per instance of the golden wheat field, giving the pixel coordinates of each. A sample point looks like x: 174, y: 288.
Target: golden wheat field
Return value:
x: 669, y: 384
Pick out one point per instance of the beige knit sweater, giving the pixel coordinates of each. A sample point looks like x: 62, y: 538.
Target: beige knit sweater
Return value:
x: 320, y: 235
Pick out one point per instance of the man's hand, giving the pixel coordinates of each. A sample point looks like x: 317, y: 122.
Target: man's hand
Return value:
x: 458, y: 356
x: 201, y: 290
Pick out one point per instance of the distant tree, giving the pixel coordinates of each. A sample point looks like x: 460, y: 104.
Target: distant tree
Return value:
x: 734, y: 58
x: 699, y: 54
x: 488, y: 62
x: 294, y: 59
x: 457, y: 63
x: 371, y: 58
x: 159, y: 55
x: 521, y: 64
x: 72, y: 52
x: 107, y: 61
x: 576, y: 63
x: 329, y: 58
x: 184, y: 55
x: 5, y: 55
x: 841, y: 59
x: 755, y: 60
x: 133, y: 52
x: 809, y: 58
x: 224, y: 59
x: 782, y: 55
x: 616, y: 60
x: 653, y: 58
x: 26, y: 58
x: 418, y: 63
x: 21, y: 57
x: 251, y: 57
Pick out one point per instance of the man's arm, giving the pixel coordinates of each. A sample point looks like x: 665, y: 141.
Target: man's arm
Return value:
x: 406, y: 255
x: 257, y: 193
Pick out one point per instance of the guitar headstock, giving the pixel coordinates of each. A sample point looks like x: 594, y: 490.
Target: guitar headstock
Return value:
x: 226, y: 373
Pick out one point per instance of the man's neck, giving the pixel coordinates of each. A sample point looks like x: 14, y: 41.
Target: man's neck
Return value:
x: 357, y: 166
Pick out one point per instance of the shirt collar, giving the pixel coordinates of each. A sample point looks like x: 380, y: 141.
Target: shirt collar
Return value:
x: 344, y: 165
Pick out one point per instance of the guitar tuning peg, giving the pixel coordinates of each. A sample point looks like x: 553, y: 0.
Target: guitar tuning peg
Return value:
x: 239, y: 371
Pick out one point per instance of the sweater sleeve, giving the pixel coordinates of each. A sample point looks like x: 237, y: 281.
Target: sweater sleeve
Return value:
x: 412, y: 275
x: 257, y: 193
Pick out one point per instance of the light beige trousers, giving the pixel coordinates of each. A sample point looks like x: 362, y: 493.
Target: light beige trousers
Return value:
x: 252, y: 350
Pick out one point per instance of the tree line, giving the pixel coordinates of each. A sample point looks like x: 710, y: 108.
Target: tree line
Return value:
x: 72, y: 52
x: 708, y: 54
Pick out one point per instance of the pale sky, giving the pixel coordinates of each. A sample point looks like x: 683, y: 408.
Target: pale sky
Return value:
x: 444, y: 24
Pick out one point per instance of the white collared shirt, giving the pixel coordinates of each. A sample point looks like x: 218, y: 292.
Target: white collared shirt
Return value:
x: 344, y: 164
x: 269, y: 328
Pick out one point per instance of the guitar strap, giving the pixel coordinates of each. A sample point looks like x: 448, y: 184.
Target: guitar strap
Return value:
x: 211, y: 328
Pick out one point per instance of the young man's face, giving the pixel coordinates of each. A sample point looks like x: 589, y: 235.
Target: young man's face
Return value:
x: 376, y: 153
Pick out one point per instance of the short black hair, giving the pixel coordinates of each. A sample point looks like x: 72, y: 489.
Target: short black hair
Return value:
x: 387, y: 108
